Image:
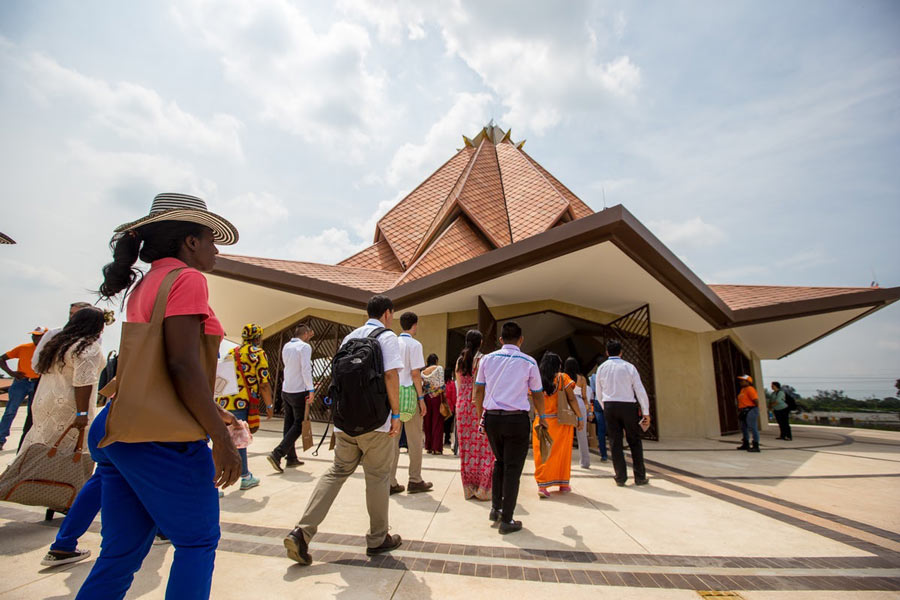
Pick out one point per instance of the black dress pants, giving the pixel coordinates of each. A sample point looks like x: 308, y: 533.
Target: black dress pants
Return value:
x: 623, y: 417
x: 783, y: 417
x: 510, y: 437
x: 294, y: 411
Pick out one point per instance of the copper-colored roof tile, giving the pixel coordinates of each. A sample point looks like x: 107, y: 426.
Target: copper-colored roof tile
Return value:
x: 739, y: 297
x: 362, y: 279
x: 482, y: 196
x: 533, y: 204
x: 579, y: 208
x: 458, y: 243
x: 378, y: 256
x: 405, y: 224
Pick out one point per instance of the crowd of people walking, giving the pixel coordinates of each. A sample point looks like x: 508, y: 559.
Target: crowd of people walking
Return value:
x: 165, y: 447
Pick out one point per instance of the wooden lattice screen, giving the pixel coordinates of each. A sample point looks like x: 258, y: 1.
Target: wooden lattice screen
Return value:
x: 325, y: 343
x: 633, y: 330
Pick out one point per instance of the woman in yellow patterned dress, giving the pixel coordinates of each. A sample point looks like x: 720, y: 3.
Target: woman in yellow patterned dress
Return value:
x: 252, y: 369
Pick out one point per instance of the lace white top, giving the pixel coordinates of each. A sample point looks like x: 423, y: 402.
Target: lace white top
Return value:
x: 54, y: 408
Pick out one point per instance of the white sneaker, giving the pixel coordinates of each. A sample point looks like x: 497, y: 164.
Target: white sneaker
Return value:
x: 55, y: 557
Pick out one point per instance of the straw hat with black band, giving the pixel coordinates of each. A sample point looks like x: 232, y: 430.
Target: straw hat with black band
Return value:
x: 181, y: 207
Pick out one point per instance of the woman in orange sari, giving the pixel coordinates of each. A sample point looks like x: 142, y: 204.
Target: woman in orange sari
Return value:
x: 558, y: 388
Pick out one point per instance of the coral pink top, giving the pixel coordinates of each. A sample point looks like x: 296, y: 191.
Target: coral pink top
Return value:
x: 188, y: 296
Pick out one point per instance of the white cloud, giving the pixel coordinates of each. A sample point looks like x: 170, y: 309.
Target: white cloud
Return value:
x: 694, y: 232
x: 312, y: 83
x: 411, y: 162
x: 255, y: 210
x: 393, y: 21
x: 30, y: 275
x: 132, y: 111
x: 328, y: 247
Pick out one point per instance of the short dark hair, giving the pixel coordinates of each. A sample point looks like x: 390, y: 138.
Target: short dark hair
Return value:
x: 776, y: 384
x: 510, y: 332
x: 408, y: 319
x: 378, y: 305
x: 614, y: 347
x: 431, y: 360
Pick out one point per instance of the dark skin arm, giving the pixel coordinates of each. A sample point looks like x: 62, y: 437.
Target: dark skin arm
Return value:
x: 10, y: 372
x: 82, y: 401
x: 182, y: 339
x: 265, y: 390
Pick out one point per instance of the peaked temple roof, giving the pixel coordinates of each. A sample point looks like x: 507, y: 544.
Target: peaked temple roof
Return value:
x: 490, y: 194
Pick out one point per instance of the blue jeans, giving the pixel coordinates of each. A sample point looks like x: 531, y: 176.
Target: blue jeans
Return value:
x: 21, y: 390
x: 600, y: 424
x: 242, y: 414
x: 750, y: 421
x: 150, y: 484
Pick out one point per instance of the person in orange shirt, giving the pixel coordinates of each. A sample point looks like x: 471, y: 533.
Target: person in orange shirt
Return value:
x: 748, y: 413
x: 24, y: 380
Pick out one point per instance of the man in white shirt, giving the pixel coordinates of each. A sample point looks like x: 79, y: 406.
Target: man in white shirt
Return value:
x: 503, y: 384
x: 412, y: 405
x: 375, y: 450
x: 626, y: 408
x: 297, y: 392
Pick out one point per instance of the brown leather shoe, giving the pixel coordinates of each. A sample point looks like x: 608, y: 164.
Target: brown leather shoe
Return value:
x: 391, y: 542
x: 396, y: 489
x: 414, y: 487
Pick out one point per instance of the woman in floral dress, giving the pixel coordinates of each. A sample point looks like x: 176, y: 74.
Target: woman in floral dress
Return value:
x: 476, y: 457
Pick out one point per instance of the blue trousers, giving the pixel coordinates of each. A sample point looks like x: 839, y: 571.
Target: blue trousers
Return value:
x: 150, y: 485
x: 21, y: 390
x: 750, y: 421
x: 242, y: 414
x: 600, y: 424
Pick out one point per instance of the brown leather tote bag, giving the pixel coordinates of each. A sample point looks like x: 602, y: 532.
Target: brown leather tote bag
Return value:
x: 147, y: 408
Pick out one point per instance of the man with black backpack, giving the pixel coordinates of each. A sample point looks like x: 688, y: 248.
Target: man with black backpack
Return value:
x: 365, y: 393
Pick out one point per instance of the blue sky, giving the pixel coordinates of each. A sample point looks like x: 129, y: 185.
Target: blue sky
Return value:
x: 759, y: 140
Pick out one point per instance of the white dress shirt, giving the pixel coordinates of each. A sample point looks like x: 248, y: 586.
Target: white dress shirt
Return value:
x: 390, y: 354
x: 619, y: 381
x: 413, y: 358
x: 297, y: 358
x: 508, y: 374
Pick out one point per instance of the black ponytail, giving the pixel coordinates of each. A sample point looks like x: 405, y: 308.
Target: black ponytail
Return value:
x: 121, y: 273
x: 466, y: 361
x: 149, y: 243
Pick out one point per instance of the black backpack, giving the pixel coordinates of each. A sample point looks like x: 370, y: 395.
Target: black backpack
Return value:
x: 109, y: 371
x: 359, y: 397
x: 790, y: 397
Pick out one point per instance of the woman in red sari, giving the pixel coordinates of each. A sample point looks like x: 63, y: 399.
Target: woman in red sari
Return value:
x: 476, y: 458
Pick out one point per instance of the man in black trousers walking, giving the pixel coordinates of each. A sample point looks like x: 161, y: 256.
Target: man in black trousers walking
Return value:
x: 626, y: 408
x: 502, y: 386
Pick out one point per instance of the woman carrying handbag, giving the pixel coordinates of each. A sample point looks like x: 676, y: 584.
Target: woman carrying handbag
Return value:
x: 150, y: 446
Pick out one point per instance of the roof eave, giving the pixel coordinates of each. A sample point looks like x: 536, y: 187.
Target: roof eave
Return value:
x: 875, y: 298
x: 292, y: 283
x: 614, y: 224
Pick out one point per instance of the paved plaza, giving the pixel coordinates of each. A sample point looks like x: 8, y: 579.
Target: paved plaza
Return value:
x: 816, y: 518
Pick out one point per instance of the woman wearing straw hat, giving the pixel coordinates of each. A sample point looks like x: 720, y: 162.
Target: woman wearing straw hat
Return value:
x: 169, y: 485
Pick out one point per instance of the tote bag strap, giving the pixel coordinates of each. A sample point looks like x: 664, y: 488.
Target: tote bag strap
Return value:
x: 79, y: 445
x: 162, y: 296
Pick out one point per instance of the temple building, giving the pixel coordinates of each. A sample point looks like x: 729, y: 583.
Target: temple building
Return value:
x: 491, y: 236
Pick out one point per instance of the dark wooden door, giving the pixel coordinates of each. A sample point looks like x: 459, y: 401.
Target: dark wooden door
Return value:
x: 729, y: 362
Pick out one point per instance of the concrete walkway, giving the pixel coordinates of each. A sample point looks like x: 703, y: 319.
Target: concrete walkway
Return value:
x: 815, y: 518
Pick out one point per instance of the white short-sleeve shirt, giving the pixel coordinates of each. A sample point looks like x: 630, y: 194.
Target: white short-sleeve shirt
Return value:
x: 412, y: 355
x: 297, y: 358
x: 508, y: 374
x: 390, y: 353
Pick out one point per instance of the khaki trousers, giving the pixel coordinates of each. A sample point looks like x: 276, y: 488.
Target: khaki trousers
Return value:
x: 415, y: 441
x: 375, y: 451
